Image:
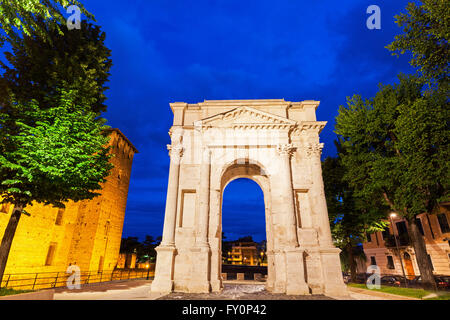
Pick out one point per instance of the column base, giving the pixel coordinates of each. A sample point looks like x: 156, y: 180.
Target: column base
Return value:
x: 216, y: 285
x: 163, y: 281
x: 295, y: 275
x: 162, y: 285
x: 199, y: 282
x: 314, y: 274
x: 332, y: 275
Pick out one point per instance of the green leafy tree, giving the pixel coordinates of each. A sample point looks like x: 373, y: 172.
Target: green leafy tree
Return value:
x: 49, y: 156
x: 20, y: 15
x: 149, y: 245
x: 396, y: 148
x: 426, y: 29
x: 351, y: 217
x: 76, y: 60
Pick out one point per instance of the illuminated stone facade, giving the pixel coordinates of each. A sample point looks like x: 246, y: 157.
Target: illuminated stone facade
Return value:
x: 276, y: 144
x: 86, y: 233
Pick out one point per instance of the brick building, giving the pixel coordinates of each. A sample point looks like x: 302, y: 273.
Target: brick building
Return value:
x: 381, y: 249
x: 86, y: 233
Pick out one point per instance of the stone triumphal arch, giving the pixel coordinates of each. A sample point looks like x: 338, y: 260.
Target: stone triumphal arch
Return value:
x: 276, y: 144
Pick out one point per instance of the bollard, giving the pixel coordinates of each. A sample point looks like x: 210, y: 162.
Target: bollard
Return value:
x: 257, y: 277
x: 240, y: 276
x: 224, y: 276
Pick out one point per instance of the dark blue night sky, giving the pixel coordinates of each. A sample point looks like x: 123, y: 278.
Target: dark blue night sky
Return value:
x: 166, y: 51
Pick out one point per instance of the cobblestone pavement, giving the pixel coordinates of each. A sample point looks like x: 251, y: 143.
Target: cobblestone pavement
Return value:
x: 240, y: 292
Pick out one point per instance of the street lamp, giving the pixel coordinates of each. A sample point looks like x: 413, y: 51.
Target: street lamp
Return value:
x: 394, y: 215
x: 148, y: 268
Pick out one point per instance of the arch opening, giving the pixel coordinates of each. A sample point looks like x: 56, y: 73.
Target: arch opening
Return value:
x: 243, y: 224
x: 244, y: 214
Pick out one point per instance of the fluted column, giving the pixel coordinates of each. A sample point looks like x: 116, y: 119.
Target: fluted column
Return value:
x: 314, y: 151
x: 205, y: 173
x: 166, y: 251
x: 291, y: 278
x: 175, y: 153
x: 285, y: 151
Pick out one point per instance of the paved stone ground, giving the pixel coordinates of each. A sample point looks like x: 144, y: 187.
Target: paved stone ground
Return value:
x: 233, y: 290
x: 123, y: 290
x: 240, y: 292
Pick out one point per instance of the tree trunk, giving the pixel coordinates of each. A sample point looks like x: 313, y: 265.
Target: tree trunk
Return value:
x: 8, y: 238
x: 425, y: 267
x: 351, y: 262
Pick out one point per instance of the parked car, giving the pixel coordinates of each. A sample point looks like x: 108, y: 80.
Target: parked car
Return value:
x: 393, y: 280
x: 442, y: 282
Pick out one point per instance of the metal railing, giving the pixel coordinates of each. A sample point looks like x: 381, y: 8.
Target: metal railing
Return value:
x: 48, y: 280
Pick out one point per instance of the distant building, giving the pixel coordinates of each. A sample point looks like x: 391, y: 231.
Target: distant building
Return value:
x: 380, y: 249
x: 126, y: 261
x: 85, y: 233
x: 244, y: 253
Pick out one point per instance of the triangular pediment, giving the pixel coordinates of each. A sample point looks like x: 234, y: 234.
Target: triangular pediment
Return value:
x: 246, y: 117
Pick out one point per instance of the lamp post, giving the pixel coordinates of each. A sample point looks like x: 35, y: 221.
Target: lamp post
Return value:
x: 148, y: 268
x: 393, y: 215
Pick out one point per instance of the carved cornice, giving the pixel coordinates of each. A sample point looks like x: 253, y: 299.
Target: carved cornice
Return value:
x: 314, y: 126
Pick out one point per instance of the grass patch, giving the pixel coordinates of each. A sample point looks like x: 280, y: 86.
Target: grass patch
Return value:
x: 7, y: 291
x: 407, y: 292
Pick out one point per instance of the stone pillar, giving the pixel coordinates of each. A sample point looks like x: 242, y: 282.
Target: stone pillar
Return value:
x: 166, y: 250
x: 285, y: 151
x: 314, y: 150
x: 333, y: 281
x: 201, y: 252
x: 294, y: 269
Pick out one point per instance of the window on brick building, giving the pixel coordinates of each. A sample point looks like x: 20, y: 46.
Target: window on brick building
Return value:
x: 59, y: 216
x: 390, y: 262
x: 385, y: 233
x: 369, y: 237
x: 401, y: 228
x: 373, y: 261
x: 443, y: 223
x: 4, y: 207
x: 50, y: 254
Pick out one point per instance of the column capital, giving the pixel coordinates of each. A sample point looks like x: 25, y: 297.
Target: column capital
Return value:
x: 175, y: 151
x: 285, y: 149
x: 314, y: 149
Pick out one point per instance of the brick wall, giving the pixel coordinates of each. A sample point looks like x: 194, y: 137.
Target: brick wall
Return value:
x: 90, y: 231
